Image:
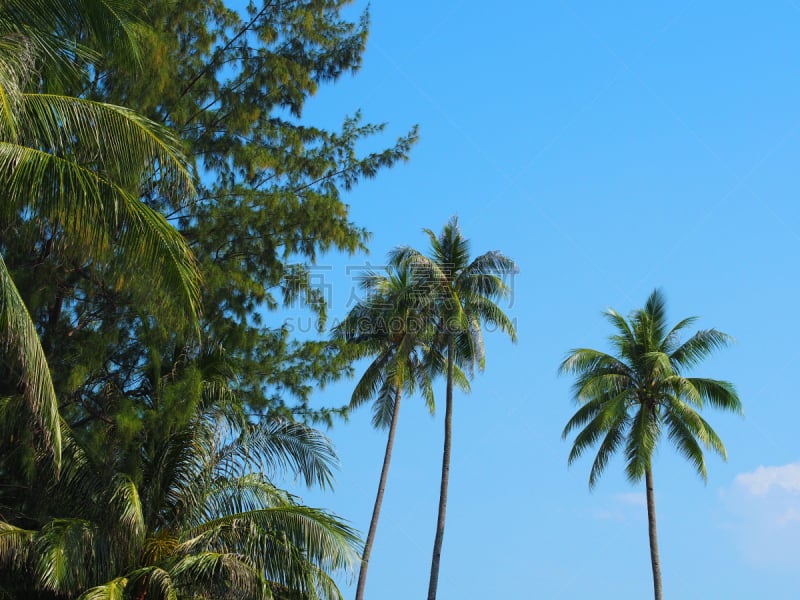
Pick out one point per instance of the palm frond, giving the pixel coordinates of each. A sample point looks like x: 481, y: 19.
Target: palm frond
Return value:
x: 128, y: 528
x: 624, y: 338
x: 489, y: 313
x: 612, y: 441
x: 233, y: 495
x: 20, y: 343
x: 586, y: 360
x: 698, y: 347
x: 62, y: 548
x: 14, y: 543
x: 384, y: 406
x: 641, y: 442
x: 372, y: 381
x: 672, y: 339
x: 653, y: 318
x: 95, y: 202
x: 584, y: 414
x: 696, y: 425
x: 278, y: 445
x: 656, y: 364
x: 207, y: 571
x: 719, y: 394
x: 154, y: 581
x: 113, y: 590
x: 296, y: 535
x: 122, y: 143
x: 684, y: 438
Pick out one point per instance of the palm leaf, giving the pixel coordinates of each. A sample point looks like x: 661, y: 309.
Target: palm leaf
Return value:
x: 209, y: 570
x: 684, y: 438
x: 641, y: 442
x: 62, y: 548
x: 613, y: 440
x: 20, y: 342
x: 698, y: 347
x: 282, y: 445
x: 113, y: 590
x: 95, y: 204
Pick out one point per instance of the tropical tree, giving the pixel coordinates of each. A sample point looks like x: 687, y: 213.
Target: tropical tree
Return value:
x: 232, y: 81
x: 205, y: 520
x: 72, y: 171
x: 465, y: 297
x: 628, y: 399
x: 391, y: 325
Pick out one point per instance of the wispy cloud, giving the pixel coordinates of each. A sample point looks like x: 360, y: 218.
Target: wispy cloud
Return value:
x: 763, y: 508
x: 760, y: 481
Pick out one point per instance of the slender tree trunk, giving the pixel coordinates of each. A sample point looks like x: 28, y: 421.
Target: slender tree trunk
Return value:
x: 448, y: 428
x: 651, y: 526
x: 376, y: 511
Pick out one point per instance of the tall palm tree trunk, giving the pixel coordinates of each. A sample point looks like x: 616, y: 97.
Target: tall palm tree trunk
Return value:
x: 376, y: 511
x: 448, y: 428
x: 651, y: 525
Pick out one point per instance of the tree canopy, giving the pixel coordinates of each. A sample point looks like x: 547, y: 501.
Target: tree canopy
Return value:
x: 158, y: 166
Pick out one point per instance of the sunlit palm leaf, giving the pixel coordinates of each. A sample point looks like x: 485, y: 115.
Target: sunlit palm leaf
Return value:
x: 62, y: 547
x: 113, y: 590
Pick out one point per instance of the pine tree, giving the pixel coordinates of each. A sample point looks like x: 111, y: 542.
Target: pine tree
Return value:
x: 270, y: 200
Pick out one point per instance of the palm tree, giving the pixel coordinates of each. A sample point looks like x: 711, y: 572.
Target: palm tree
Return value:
x: 390, y: 325
x: 627, y: 400
x: 204, y: 521
x: 465, y: 297
x: 74, y: 168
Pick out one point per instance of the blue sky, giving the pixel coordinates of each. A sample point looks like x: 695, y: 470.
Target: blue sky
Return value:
x: 609, y: 148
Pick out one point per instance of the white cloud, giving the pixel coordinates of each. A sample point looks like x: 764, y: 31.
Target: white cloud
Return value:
x: 760, y: 481
x: 763, y: 515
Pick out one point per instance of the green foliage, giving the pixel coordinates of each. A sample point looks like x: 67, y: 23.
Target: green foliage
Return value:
x: 205, y: 517
x: 465, y: 291
x: 628, y: 400
x: 71, y: 169
x: 462, y: 297
x: 207, y: 196
x: 393, y: 326
x: 268, y: 201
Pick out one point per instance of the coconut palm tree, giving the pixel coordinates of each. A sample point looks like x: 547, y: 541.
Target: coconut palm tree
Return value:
x: 392, y: 326
x: 205, y: 521
x: 465, y: 295
x: 628, y: 399
x: 74, y: 169
x: 187, y: 509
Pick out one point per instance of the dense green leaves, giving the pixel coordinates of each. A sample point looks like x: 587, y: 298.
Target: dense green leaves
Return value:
x: 392, y: 325
x: 205, y: 198
x: 204, y: 516
x: 73, y: 168
x: 269, y: 201
x: 638, y: 393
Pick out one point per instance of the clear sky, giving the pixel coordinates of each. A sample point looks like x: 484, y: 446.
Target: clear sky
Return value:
x: 609, y: 148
